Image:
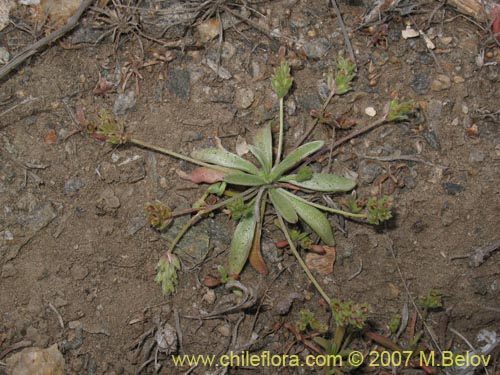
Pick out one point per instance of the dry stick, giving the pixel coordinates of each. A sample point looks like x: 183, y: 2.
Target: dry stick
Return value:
x: 346, y: 139
x: 35, y: 47
x: 344, y: 31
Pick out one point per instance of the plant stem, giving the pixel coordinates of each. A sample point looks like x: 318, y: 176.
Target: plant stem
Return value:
x: 280, y: 139
x: 183, y: 231
x: 345, y: 139
x: 174, y: 154
x: 202, y: 211
x: 329, y: 209
x: 316, y: 120
x: 301, y: 261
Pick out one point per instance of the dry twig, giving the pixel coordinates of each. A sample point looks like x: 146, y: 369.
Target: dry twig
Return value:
x: 35, y: 47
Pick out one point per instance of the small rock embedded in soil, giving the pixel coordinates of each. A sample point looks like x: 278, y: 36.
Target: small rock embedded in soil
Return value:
x: 74, y: 184
x: 442, y: 82
x: 36, y: 361
x: 452, y: 188
x: 39, y: 218
x: 420, y: 83
x: 476, y: 156
x: 79, y: 272
x: 244, y: 98
x: 178, y: 83
x: 369, y: 171
x: 432, y: 139
x: 4, y: 55
x: 8, y: 270
x: 316, y: 49
x: 124, y: 103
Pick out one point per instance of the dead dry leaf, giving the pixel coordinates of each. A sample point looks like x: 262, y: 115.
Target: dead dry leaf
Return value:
x: 323, y: 264
x: 51, y: 137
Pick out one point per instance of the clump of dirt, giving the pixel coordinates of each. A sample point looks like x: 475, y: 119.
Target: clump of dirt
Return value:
x: 77, y: 258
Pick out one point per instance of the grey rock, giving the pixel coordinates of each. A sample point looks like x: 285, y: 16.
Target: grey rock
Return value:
x: 432, y: 139
x: 452, y: 188
x: 124, y: 103
x: 323, y: 90
x: 132, y: 170
x: 316, y: 49
x: 39, y: 218
x: 191, y: 136
x: 74, y: 184
x: 220, y: 70
x: 79, y: 272
x: 135, y: 224
x: 85, y: 34
x: 441, y: 82
x: 420, y: 83
x: 368, y: 172
x: 36, y: 361
x: 4, y: 55
x: 476, y: 156
x: 480, y: 287
x: 178, y: 83
x: 244, y: 98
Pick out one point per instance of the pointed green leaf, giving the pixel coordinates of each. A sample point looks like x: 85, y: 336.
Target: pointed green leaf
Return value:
x: 325, y: 182
x: 241, y: 244
x: 295, y: 157
x: 283, y: 206
x: 314, y: 218
x: 224, y: 159
x: 244, y: 179
x: 262, y: 148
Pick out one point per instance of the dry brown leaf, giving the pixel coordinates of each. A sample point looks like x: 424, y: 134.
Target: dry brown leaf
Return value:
x: 202, y: 174
x: 323, y: 264
x: 51, y: 137
x: 208, y: 29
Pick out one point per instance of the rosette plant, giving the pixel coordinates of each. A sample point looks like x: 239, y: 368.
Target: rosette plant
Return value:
x: 283, y: 181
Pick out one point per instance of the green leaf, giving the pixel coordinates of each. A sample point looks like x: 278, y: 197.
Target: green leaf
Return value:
x: 325, y: 182
x: 241, y: 244
x: 283, y: 206
x: 244, y: 179
x: 314, y: 218
x: 400, y: 111
x: 262, y: 148
x: 225, y: 159
x: 295, y: 157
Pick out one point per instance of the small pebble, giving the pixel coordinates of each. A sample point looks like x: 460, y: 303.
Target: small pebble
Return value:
x: 4, y: 55
x: 452, y: 188
x: 370, y: 111
x: 476, y: 156
x: 316, y: 49
x: 124, y: 102
x: 442, y: 82
x: 369, y: 171
x: 74, y: 184
x: 244, y: 98
x: 420, y: 83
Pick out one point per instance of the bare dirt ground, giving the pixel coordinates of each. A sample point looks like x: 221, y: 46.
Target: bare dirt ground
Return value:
x: 75, y: 247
